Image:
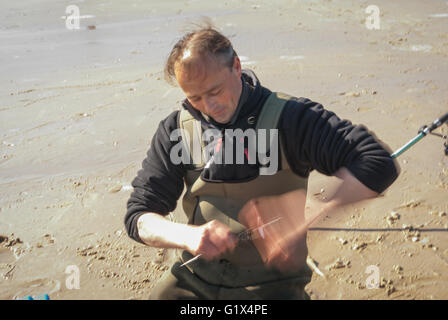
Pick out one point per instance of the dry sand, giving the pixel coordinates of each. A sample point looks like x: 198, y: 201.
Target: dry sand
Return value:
x: 79, y: 108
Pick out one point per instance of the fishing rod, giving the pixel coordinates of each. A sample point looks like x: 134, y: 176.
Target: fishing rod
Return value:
x: 424, y: 131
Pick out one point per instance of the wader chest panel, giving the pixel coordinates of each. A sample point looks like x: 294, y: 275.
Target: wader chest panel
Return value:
x: 205, y: 201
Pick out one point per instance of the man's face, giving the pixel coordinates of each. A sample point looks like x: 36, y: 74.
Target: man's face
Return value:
x: 211, y: 87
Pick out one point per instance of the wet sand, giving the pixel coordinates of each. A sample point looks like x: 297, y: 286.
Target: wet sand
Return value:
x: 78, y: 110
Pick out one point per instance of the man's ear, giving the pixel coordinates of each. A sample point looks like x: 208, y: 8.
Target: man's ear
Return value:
x: 237, y: 66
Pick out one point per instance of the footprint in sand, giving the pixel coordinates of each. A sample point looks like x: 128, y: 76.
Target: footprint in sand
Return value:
x: 6, y: 256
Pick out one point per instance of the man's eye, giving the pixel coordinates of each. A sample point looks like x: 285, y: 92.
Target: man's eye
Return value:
x: 215, y: 93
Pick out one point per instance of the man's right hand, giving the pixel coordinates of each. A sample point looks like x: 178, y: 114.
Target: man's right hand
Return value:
x: 211, y: 240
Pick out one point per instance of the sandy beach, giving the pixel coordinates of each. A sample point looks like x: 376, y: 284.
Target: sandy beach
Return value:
x: 78, y: 109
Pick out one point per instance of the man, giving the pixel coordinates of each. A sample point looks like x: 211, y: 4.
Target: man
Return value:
x: 225, y: 199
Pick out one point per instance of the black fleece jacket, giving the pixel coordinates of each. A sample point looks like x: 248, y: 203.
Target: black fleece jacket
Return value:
x: 313, y: 137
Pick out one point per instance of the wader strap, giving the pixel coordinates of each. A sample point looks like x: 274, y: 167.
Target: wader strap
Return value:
x: 271, y: 111
x: 191, y: 132
x: 269, y: 117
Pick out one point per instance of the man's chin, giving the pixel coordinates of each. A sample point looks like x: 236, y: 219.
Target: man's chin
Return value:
x: 222, y: 119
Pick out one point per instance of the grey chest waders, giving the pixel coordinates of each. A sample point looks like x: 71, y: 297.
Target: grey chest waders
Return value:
x: 206, y: 201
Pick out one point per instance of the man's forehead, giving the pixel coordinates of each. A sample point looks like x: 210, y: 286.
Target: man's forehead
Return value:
x: 191, y: 70
x: 199, y: 77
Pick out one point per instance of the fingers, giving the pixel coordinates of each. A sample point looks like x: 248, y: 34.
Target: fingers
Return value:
x: 215, y: 239
x: 226, y: 237
x: 222, y: 237
x: 208, y: 250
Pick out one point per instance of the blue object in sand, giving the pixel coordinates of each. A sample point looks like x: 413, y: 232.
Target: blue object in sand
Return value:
x: 38, y: 297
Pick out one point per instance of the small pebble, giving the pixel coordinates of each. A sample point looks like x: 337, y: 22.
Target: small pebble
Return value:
x: 395, y: 215
x: 397, y: 268
x: 390, y: 290
x: 359, y: 246
x: 352, y: 94
x: 115, y: 189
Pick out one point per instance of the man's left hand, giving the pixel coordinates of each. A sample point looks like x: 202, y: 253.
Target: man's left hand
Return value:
x: 281, y: 244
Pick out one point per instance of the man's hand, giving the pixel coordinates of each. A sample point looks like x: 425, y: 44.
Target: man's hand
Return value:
x: 211, y: 240
x: 281, y: 244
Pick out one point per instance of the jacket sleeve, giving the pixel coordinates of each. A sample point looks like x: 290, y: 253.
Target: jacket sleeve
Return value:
x: 159, y: 183
x: 315, y: 138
